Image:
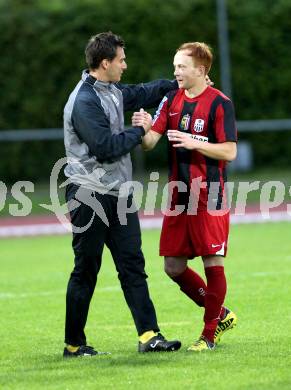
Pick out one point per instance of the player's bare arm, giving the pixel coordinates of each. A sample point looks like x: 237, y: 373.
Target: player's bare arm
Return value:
x: 150, y: 139
x: 221, y: 151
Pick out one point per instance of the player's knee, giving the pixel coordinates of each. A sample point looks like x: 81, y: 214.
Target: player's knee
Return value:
x: 172, y: 271
x: 175, y: 266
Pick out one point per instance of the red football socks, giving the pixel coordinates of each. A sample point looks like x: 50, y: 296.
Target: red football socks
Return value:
x: 192, y: 285
x: 215, y: 294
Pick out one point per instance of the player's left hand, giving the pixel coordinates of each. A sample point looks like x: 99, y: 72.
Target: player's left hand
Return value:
x: 182, y: 140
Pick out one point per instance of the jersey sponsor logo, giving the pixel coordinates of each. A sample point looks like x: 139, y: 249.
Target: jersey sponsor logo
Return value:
x: 157, y: 114
x: 198, y: 125
x: 185, y: 122
x: 173, y: 113
x: 199, y: 137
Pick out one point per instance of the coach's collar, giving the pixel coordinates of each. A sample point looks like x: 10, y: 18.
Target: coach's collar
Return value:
x: 93, y: 81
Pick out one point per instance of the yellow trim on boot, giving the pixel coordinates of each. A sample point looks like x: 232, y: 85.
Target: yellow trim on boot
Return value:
x: 201, y: 345
x: 229, y: 322
x: 146, y: 336
x: 71, y: 348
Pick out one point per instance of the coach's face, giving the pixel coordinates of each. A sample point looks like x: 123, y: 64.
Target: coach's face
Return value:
x: 116, y: 67
x: 185, y: 71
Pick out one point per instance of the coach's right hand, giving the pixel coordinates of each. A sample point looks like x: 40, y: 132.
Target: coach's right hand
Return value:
x: 143, y: 119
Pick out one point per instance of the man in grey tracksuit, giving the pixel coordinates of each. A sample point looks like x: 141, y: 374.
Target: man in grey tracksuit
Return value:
x: 97, y: 148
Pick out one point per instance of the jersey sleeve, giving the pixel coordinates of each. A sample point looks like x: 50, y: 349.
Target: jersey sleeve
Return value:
x: 224, y: 124
x: 161, y: 117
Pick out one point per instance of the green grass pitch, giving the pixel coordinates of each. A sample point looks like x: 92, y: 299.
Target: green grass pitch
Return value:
x: 254, y: 356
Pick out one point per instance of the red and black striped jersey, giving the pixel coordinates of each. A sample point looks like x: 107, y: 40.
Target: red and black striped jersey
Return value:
x: 208, y: 117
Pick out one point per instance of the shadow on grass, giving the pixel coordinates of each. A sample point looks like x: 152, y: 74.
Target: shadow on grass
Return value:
x: 121, y: 360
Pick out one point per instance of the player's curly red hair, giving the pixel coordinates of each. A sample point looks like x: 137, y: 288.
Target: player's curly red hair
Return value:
x: 200, y: 52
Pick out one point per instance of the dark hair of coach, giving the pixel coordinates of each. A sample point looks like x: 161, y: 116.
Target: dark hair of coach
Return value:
x: 102, y: 46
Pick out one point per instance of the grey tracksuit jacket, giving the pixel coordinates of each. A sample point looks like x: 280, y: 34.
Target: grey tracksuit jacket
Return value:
x: 97, y: 146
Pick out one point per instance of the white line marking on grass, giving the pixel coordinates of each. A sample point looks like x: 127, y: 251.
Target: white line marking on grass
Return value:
x: 8, y: 295
x: 179, y: 323
x: 130, y: 326
x: 270, y: 273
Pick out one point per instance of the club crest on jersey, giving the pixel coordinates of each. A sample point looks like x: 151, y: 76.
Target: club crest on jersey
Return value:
x: 185, y: 122
x: 198, y: 125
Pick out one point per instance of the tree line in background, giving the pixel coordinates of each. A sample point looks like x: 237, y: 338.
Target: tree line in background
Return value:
x: 42, y: 55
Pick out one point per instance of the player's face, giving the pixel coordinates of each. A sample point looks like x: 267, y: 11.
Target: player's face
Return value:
x: 116, y: 67
x: 186, y: 73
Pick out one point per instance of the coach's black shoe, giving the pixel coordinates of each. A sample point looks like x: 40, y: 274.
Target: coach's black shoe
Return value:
x: 83, y: 350
x: 159, y: 344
